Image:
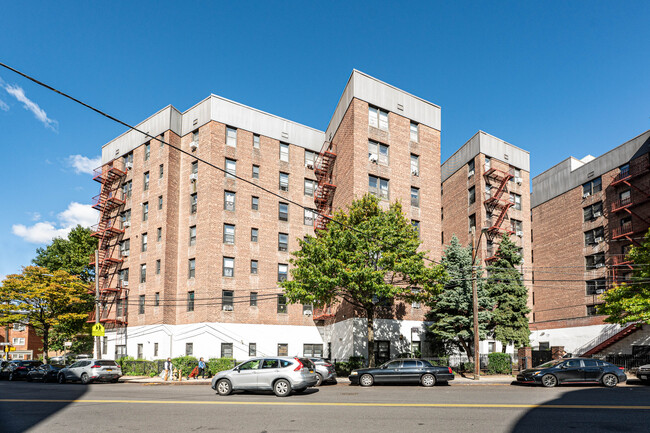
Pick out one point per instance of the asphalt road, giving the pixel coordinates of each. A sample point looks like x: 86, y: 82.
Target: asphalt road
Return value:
x: 125, y: 407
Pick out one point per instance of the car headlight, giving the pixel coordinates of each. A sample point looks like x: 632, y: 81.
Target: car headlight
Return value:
x: 354, y: 373
x: 537, y: 373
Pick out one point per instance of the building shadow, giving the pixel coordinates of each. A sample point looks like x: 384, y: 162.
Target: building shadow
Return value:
x: 590, y: 410
x: 21, y: 415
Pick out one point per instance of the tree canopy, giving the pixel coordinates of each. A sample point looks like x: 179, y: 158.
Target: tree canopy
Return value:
x: 71, y: 255
x: 510, y: 296
x: 366, y: 257
x: 630, y: 301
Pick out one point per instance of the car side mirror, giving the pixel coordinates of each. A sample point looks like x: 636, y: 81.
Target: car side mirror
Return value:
x: 236, y: 369
x: 563, y: 366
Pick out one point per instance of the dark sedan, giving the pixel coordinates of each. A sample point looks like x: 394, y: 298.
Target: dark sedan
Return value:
x: 402, y: 371
x: 18, y: 369
x: 44, y: 373
x: 573, y: 370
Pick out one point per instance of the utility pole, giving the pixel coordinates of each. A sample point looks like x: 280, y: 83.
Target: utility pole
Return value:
x: 477, y: 357
x: 98, y: 349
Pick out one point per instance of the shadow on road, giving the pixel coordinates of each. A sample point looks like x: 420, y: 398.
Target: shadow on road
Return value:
x: 21, y: 415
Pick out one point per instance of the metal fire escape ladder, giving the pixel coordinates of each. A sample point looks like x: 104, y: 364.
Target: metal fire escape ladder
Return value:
x: 325, y: 189
x: 496, y: 201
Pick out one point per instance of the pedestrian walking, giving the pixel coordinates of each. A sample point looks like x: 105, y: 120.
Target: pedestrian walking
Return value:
x: 201, y: 369
x: 167, y: 369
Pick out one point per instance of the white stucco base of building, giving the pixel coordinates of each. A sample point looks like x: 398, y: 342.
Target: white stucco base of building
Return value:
x: 574, y: 339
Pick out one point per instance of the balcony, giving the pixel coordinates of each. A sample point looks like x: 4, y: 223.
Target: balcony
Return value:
x: 625, y: 229
x: 637, y: 167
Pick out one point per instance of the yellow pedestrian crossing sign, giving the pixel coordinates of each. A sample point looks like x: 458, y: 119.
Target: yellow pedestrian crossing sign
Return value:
x: 98, y: 330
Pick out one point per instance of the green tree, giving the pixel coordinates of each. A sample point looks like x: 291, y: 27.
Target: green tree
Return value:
x: 630, y: 302
x: 510, y: 296
x: 71, y: 255
x: 367, y: 257
x: 451, y: 310
x: 43, y: 299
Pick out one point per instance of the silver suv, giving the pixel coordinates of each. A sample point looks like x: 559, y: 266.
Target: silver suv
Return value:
x: 279, y: 374
x: 90, y: 370
x: 325, y: 370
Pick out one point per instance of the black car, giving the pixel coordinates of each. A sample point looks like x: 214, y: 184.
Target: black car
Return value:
x: 44, y: 373
x: 402, y: 371
x: 573, y: 370
x: 18, y: 369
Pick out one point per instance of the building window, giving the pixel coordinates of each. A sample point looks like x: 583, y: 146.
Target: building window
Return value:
x: 377, y: 152
x: 190, y: 301
x: 307, y: 309
x: 19, y: 327
x: 284, y: 152
x: 192, y: 236
x: 414, y: 132
x: 253, y: 300
x: 254, y: 267
x: 189, y: 349
x: 378, y: 118
x: 283, y: 349
x: 283, y: 271
x: 228, y: 234
x: 147, y: 151
x: 145, y: 211
x: 415, y: 165
x: 592, y: 212
x: 516, y: 175
x: 312, y: 350
x: 127, y: 189
x: 160, y: 202
x: 472, y: 222
x: 226, y: 350
x: 229, y: 201
x: 228, y: 267
x: 159, y: 234
x: 227, y: 297
x: 415, y: 196
x: 161, y: 171
x: 158, y: 267
x: 256, y: 171
x: 252, y: 349
x: 143, y: 248
x: 231, y: 137
x: 283, y: 242
x: 156, y: 299
x: 143, y: 273
x: 310, y: 186
x: 470, y: 168
x: 488, y: 163
x: 592, y: 187
x: 309, y: 217
x: 310, y: 159
x: 194, y: 170
x: 591, y: 310
x: 595, y: 236
x: 378, y: 186
x: 146, y: 181
x: 595, y: 261
x: 18, y: 341
x: 416, y: 225
x: 141, y: 305
x: 155, y: 349
x: 123, y: 277
x: 254, y: 234
x: 191, y: 268
x: 105, y: 346
x: 140, y: 351
x: 255, y: 203
x: 256, y: 141
x: 231, y: 168
x: 125, y: 247
x: 195, y: 137
x: 284, y: 182
x: 194, y: 200
x: 472, y: 195
x: 283, y: 211
x: 516, y: 200
x: 596, y: 287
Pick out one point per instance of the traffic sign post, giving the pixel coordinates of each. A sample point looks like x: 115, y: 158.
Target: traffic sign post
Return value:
x: 98, y: 330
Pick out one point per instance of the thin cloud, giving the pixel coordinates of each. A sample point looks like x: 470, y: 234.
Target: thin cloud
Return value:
x: 40, y: 114
x: 83, y: 164
x: 44, y: 232
x: 3, y: 105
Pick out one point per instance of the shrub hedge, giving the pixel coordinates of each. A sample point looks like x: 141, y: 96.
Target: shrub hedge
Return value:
x: 499, y: 363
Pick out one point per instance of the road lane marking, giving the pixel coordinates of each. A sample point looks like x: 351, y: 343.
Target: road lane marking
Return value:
x: 282, y: 403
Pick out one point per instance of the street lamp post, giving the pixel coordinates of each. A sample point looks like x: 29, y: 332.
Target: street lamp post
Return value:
x: 477, y: 357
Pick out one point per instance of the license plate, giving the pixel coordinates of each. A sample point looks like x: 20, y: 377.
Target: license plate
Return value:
x: 643, y: 377
x: 109, y: 369
x: 311, y: 371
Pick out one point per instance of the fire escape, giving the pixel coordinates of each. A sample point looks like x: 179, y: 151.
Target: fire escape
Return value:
x: 108, y: 231
x: 496, y: 203
x: 325, y: 189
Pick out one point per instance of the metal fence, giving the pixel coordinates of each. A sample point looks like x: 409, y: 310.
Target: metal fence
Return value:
x: 628, y: 362
x: 141, y: 368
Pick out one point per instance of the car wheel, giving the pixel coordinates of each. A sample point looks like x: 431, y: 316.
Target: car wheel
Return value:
x: 610, y: 380
x: 428, y: 380
x: 549, y: 381
x: 223, y: 387
x: 44, y: 378
x: 11, y: 377
x: 366, y: 380
x: 282, y: 388
x: 319, y: 382
x: 28, y: 379
x: 61, y: 378
x: 85, y: 379
x: 115, y: 380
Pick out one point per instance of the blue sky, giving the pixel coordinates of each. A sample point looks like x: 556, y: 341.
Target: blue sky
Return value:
x: 555, y: 78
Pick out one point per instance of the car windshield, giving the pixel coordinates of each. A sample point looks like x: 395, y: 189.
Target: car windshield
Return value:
x: 549, y: 364
x: 106, y: 363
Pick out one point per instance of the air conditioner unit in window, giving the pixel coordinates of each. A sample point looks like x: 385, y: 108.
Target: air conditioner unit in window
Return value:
x: 415, y: 172
x: 227, y: 308
x: 194, y: 177
x: 129, y: 165
x: 597, y: 214
x: 599, y: 265
x: 470, y: 174
x: 520, y: 233
x: 586, y: 194
x: 373, y: 158
x: 310, y: 165
x: 518, y: 180
x: 598, y: 239
x: 307, y: 312
x: 600, y: 291
x: 125, y: 283
x: 194, y: 145
x: 126, y: 224
x: 125, y: 253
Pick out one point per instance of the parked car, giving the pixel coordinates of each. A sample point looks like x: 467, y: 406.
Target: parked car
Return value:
x: 573, y: 370
x: 643, y: 373
x: 278, y: 374
x: 44, y: 373
x: 90, y: 370
x: 402, y: 371
x: 17, y: 369
x: 325, y: 370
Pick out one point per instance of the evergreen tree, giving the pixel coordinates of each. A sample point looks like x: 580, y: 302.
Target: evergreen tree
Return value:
x: 451, y: 310
x: 510, y: 296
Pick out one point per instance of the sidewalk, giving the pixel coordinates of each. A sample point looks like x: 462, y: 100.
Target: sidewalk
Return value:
x: 160, y: 381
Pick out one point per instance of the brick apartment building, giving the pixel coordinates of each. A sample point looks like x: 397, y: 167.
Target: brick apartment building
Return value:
x: 586, y: 215
x: 190, y: 257
x: 485, y: 188
x: 24, y: 338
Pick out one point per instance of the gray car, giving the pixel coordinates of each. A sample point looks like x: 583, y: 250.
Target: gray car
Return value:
x: 643, y: 373
x: 90, y: 370
x: 325, y: 370
x: 278, y: 374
